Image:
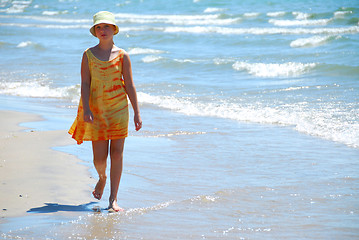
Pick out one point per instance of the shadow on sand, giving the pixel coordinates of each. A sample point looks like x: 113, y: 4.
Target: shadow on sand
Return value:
x: 55, y: 207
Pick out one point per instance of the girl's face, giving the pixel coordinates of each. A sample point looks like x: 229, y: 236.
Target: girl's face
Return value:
x: 104, y: 30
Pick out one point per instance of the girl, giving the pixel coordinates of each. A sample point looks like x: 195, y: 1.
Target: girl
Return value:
x: 102, y: 117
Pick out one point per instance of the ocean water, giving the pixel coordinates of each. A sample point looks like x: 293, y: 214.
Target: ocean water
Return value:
x: 250, y: 111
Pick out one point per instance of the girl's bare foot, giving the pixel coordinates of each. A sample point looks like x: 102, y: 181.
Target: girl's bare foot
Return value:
x: 97, y: 193
x: 114, y: 206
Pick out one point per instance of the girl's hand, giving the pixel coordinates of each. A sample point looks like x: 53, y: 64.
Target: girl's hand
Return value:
x: 138, y: 122
x: 88, y: 117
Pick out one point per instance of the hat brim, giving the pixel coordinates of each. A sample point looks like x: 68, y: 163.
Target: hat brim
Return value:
x: 92, y: 29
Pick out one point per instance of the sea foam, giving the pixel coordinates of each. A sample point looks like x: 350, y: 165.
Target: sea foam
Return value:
x: 342, y: 14
x: 138, y: 51
x: 52, y: 13
x: 40, y: 90
x: 151, y: 58
x: 276, y: 14
x: 17, y: 7
x: 258, y: 31
x: 287, y: 23
x: 251, y: 15
x: 301, y: 15
x: 325, y: 122
x: 311, y: 42
x: 289, y: 69
x: 24, y: 44
x: 206, y: 19
x: 213, y: 10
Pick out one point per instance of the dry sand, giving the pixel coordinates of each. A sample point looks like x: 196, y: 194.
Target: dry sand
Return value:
x: 32, y: 174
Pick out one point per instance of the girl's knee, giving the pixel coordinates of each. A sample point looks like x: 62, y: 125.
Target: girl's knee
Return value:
x: 100, y: 150
x: 100, y: 160
x: 116, y: 153
x: 116, y: 149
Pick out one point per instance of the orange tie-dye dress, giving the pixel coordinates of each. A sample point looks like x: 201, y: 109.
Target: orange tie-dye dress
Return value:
x: 108, y: 102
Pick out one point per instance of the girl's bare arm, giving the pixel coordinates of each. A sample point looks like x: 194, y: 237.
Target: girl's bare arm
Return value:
x: 85, y: 89
x: 131, y: 90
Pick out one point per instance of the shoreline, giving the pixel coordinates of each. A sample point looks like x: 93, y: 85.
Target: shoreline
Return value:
x: 252, y: 186
x: 34, y: 176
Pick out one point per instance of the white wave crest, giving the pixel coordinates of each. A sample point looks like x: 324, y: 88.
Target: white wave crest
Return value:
x: 17, y: 7
x: 52, y: 13
x: 301, y: 15
x: 151, y: 58
x: 310, y: 42
x: 70, y: 26
x: 251, y: 15
x: 315, y: 122
x: 276, y: 14
x: 207, y: 19
x: 24, y: 44
x: 48, y: 18
x: 213, y: 10
x: 138, y: 51
x: 287, y: 23
x: 342, y: 14
x: 220, y: 61
x: 49, y: 26
x: 259, y: 31
x: 184, y: 60
x: 39, y: 90
x: 289, y: 69
x: 197, y: 29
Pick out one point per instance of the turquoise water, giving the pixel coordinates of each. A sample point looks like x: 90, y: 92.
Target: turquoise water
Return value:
x: 250, y: 112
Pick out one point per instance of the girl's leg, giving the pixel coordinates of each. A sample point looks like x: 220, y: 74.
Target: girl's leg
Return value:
x: 100, y: 152
x: 116, y: 153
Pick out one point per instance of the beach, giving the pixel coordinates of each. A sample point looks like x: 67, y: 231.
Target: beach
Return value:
x: 33, y: 174
x: 246, y: 198
x: 250, y: 116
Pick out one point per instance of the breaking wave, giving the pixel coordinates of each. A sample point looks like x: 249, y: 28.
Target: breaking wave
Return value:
x: 328, y: 122
x: 289, y: 69
x: 312, y: 41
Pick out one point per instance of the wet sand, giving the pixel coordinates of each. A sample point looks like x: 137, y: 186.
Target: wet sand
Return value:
x: 33, y: 176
